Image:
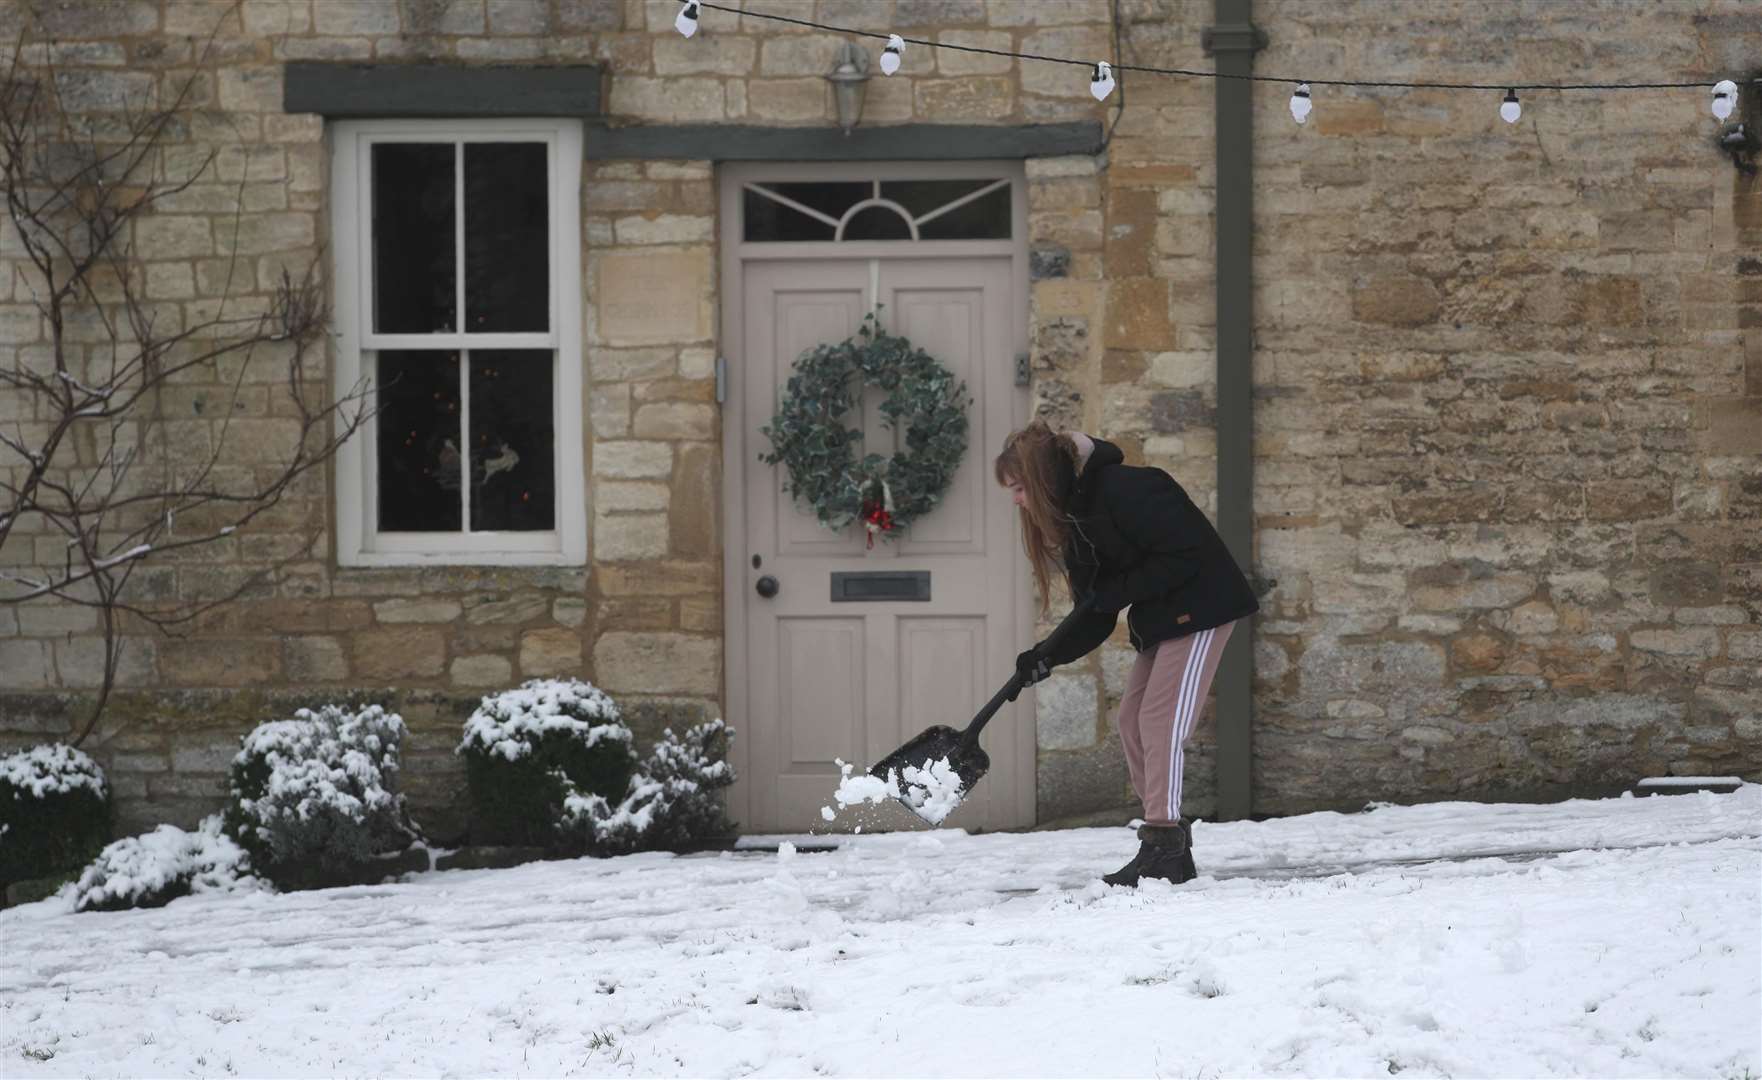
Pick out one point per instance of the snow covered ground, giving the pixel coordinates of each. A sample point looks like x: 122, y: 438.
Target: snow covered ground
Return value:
x: 1611, y: 938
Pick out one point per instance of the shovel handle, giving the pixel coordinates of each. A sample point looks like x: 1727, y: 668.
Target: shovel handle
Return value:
x: 1015, y: 684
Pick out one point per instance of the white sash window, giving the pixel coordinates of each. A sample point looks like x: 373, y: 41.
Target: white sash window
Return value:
x: 458, y: 304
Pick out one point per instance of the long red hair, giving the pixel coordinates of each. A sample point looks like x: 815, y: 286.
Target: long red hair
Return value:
x: 1044, y: 462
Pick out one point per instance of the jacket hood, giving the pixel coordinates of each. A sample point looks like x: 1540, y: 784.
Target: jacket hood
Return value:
x: 1104, y: 454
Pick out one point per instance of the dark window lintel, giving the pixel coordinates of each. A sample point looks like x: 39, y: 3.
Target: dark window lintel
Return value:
x: 898, y: 142
x: 441, y: 90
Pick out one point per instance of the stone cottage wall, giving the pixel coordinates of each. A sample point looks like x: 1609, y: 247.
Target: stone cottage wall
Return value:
x: 1507, y: 384
x: 644, y: 618
x: 1506, y: 393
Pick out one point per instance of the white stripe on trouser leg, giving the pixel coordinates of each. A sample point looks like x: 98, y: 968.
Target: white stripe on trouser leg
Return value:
x: 1185, y: 706
x: 1183, y: 699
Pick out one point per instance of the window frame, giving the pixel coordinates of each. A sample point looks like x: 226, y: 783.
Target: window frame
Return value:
x: 359, y: 541
x: 767, y: 189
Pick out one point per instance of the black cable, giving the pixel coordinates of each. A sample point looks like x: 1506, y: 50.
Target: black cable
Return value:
x: 1213, y: 74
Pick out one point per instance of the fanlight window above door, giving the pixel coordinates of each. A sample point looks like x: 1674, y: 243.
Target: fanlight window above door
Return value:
x: 794, y: 212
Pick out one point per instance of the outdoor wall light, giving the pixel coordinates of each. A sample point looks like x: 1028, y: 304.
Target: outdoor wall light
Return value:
x: 850, y: 70
x: 1741, y: 147
x: 1740, y: 136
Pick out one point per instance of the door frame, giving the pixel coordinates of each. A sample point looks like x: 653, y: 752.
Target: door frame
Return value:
x: 735, y: 252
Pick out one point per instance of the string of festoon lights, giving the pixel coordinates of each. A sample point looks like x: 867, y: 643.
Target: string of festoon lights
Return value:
x: 1101, y: 72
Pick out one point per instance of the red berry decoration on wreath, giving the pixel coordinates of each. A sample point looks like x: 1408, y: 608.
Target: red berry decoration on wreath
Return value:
x: 878, y: 515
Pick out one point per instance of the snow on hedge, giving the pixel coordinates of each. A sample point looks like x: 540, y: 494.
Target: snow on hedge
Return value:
x: 54, y: 812
x: 315, y: 796
x: 510, y: 722
x: 332, y: 759
x: 51, y: 769
x: 153, y: 869
x: 672, y: 798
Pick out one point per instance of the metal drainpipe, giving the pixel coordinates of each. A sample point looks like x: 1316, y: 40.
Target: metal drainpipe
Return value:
x: 1232, y: 41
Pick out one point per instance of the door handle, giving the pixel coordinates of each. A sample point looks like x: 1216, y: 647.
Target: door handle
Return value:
x: 767, y: 586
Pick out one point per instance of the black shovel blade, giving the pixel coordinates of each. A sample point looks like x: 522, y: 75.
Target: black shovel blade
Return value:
x: 968, y: 760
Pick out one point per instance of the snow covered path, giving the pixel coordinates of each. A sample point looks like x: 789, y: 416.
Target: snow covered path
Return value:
x: 1635, y: 950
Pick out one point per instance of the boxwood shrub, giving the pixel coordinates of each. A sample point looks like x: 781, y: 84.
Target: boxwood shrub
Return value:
x: 530, y: 750
x: 156, y: 868
x: 315, y: 798
x: 673, y: 800
x: 55, y: 812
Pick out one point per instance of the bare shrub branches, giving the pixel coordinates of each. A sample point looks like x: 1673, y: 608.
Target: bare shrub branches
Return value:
x: 94, y: 465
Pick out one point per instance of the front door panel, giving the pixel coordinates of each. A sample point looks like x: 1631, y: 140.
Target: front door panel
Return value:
x: 827, y: 679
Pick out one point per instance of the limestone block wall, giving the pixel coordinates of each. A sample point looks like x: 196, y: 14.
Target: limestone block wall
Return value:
x: 1506, y: 396
x: 643, y: 619
x: 1508, y: 382
x: 1508, y: 463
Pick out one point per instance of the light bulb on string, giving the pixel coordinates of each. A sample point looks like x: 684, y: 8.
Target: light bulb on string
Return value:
x: 890, y: 55
x: 1301, y: 104
x: 1725, y: 98
x: 686, y: 23
x: 1101, y: 83
x: 1102, y: 80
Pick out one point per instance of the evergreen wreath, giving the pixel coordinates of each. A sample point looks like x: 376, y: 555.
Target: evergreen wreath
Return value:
x: 808, y: 436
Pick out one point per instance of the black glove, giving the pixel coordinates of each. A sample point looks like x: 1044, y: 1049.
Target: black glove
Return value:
x: 1108, y: 595
x: 1031, y: 667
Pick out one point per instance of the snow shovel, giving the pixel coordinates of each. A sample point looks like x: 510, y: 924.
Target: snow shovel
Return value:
x: 931, y: 789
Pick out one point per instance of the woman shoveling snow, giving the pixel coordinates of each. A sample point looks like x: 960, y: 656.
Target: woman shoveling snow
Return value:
x: 1124, y: 536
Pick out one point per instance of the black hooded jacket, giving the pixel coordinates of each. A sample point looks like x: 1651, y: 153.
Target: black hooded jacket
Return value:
x: 1137, y: 539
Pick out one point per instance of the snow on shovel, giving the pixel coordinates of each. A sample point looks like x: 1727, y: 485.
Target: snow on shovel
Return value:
x: 932, y: 773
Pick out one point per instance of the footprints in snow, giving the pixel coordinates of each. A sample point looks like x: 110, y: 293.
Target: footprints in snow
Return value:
x: 1200, y: 980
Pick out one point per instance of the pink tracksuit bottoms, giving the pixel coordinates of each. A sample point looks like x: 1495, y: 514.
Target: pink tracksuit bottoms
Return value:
x: 1163, y: 700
